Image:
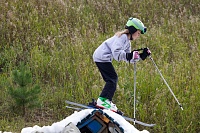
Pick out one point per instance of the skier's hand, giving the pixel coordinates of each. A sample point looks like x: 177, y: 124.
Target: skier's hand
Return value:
x: 135, y: 56
x: 146, y: 52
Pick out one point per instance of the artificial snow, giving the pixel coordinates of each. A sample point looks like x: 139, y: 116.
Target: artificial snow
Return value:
x: 77, y: 117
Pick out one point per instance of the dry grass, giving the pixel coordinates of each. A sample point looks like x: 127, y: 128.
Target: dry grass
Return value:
x: 56, y: 39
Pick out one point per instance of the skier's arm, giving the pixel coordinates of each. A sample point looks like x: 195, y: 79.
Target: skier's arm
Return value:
x: 117, y: 50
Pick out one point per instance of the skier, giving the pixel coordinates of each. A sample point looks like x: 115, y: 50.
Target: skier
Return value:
x: 119, y: 48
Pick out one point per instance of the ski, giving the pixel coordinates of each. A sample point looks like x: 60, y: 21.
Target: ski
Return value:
x: 70, y: 107
x: 92, y: 107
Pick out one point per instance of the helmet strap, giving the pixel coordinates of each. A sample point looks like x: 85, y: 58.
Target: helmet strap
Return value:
x: 131, y: 38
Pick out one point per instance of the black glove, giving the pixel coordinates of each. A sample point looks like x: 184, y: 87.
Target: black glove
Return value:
x: 129, y: 56
x: 146, y: 52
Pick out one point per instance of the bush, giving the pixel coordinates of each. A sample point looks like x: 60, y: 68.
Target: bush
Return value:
x: 24, y: 95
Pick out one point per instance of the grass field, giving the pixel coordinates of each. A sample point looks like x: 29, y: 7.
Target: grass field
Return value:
x: 56, y: 40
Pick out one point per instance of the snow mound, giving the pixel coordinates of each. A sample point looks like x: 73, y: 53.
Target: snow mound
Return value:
x: 77, y: 117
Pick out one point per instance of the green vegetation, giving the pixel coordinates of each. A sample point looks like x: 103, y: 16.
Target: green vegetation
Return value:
x: 23, y: 94
x: 57, y: 38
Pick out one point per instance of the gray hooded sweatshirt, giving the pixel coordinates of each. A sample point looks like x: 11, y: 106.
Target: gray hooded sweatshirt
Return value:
x: 114, y: 47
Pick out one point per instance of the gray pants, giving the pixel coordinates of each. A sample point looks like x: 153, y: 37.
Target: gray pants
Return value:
x: 110, y: 77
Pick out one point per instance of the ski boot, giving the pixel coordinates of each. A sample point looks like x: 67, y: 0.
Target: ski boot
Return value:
x: 104, y: 103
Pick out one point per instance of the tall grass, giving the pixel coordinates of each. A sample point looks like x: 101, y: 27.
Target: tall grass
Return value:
x: 57, y: 38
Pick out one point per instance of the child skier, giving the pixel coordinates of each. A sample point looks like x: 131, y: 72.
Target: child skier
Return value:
x: 119, y: 48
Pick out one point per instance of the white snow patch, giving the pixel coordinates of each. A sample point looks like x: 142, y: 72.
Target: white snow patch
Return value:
x: 128, y: 128
x: 77, y: 117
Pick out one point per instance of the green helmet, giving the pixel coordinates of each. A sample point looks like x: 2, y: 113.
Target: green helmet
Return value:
x: 137, y: 24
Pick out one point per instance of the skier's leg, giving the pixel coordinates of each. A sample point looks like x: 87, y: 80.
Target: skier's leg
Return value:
x: 110, y: 77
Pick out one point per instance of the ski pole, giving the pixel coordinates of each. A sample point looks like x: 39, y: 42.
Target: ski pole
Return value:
x: 166, y: 82
x: 134, y: 91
